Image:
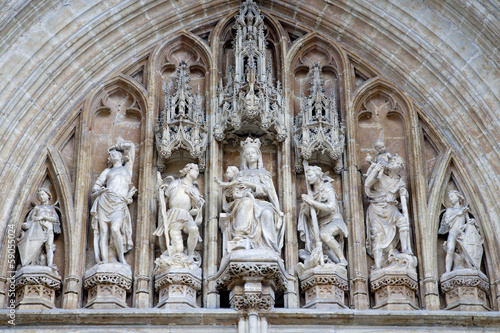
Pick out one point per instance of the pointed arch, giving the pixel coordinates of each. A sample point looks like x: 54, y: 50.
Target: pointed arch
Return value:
x: 51, y: 165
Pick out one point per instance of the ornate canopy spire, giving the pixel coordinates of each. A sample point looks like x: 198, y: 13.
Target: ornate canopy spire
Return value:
x: 249, y: 95
x: 317, y: 125
x: 182, y: 121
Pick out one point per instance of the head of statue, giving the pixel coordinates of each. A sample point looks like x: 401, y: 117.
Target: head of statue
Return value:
x: 231, y: 172
x: 251, y: 155
x: 380, y: 146
x: 314, y: 173
x: 455, y: 197
x: 396, y: 163
x: 191, y: 169
x: 115, y: 156
x: 43, y: 194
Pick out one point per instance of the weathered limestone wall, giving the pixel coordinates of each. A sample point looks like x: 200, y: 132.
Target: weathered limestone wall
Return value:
x: 444, y: 57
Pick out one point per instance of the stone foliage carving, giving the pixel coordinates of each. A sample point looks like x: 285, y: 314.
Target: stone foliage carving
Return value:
x: 113, y: 192
x: 317, y: 126
x: 36, y: 242
x: 250, y: 199
x: 45, y: 278
x: 468, y: 280
x: 268, y: 271
x: 178, y: 279
x: 320, y: 223
x: 249, y: 94
x: 386, y: 224
x: 182, y: 121
x: 108, y: 278
x: 464, y: 246
x: 180, y: 212
x: 255, y: 302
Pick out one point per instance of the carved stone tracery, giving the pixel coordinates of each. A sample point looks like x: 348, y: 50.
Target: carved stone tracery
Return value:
x: 182, y: 121
x: 249, y: 95
x: 317, y: 126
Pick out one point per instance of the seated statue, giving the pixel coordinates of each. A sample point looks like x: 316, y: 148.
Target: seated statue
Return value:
x: 38, y: 233
x: 250, y: 199
x: 180, y: 214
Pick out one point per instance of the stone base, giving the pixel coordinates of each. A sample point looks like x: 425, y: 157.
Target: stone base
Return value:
x: 394, y: 288
x: 465, y: 290
x: 252, y: 277
x: 107, y: 286
x: 324, y: 287
x: 36, y: 287
x: 177, y: 288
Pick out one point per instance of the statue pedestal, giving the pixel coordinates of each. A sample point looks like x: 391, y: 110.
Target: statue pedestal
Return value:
x: 107, y: 286
x: 36, y: 287
x: 177, y: 288
x: 465, y: 290
x: 252, y: 277
x: 395, y: 286
x: 324, y: 286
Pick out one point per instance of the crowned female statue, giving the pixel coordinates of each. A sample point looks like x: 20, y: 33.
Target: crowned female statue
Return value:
x: 255, y: 218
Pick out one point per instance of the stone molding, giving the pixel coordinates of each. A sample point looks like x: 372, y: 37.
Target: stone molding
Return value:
x: 182, y: 278
x: 464, y: 278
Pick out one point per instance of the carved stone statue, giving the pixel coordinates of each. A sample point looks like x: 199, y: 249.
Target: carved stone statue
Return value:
x: 180, y: 213
x: 320, y: 223
x: 386, y: 225
x: 464, y: 246
x: 37, y: 280
x: 113, y: 192
x: 464, y: 285
x: 38, y: 233
x: 381, y: 158
x: 255, y: 219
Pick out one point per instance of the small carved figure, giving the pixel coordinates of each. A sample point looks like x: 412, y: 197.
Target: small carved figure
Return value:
x: 113, y: 192
x: 320, y: 222
x: 464, y: 246
x: 386, y: 225
x: 180, y: 212
x: 38, y: 230
x: 381, y: 158
x: 229, y: 186
x: 255, y: 216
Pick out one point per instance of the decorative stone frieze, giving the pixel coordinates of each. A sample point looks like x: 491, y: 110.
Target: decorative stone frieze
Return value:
x: 107, y: 286
x: 317, y: 127
x: 252, y: 277
x: 182, y: 121
x: 36, y: 287
x: 249, y: 96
